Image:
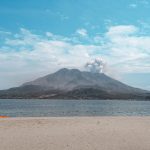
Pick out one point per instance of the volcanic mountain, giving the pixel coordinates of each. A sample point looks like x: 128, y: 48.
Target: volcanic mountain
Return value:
x: 75, y: 84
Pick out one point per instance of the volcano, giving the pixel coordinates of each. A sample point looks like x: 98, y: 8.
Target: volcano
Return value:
x: 75, y: 84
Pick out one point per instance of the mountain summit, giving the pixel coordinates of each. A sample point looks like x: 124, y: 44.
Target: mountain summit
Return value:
x: 75, y: 84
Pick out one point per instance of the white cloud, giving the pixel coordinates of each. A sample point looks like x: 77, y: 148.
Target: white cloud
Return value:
x: 129, y: 51
x: 30, y: 55
x: 26, y: 55
x: 4, y: 33
x: 144, y: 2
x: 133, y: 5
x: 62, y: 16
x: 121, y: 30
x: 82, y: 32
x: 97, y: 39
x: 49, y: 34
x: 140, y: 3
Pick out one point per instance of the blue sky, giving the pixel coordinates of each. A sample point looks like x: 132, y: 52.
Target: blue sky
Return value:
x: 38, y: 37
x: 65, y: 16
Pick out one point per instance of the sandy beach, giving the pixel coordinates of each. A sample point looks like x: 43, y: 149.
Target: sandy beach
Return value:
x: 75, y: 133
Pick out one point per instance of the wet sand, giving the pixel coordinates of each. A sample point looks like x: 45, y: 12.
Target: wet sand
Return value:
x: 75, y: 133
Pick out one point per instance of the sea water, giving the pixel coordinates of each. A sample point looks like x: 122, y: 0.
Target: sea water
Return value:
x: 55, y: 108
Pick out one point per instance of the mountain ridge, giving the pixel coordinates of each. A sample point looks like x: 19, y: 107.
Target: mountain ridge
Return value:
x: 75, y: 84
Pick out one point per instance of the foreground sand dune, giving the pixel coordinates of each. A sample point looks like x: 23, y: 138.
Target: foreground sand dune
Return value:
x: 75, y: 133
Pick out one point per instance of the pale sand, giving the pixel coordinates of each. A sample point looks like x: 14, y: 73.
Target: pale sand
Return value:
x: 75, y: 133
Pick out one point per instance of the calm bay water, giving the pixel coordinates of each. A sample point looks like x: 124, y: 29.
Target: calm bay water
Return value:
x: 38, y: 108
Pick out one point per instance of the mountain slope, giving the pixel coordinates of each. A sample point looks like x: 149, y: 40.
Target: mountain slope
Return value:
x: 75, y: 84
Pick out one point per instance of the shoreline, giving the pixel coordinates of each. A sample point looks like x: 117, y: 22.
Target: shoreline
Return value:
x: 75, y: 133
x: 57, y: 99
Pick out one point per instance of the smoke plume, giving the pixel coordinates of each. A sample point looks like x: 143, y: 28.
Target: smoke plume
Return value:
x: 96, y: 66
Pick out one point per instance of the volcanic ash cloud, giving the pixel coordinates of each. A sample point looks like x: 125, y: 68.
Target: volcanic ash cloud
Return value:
x: 96, y: 65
